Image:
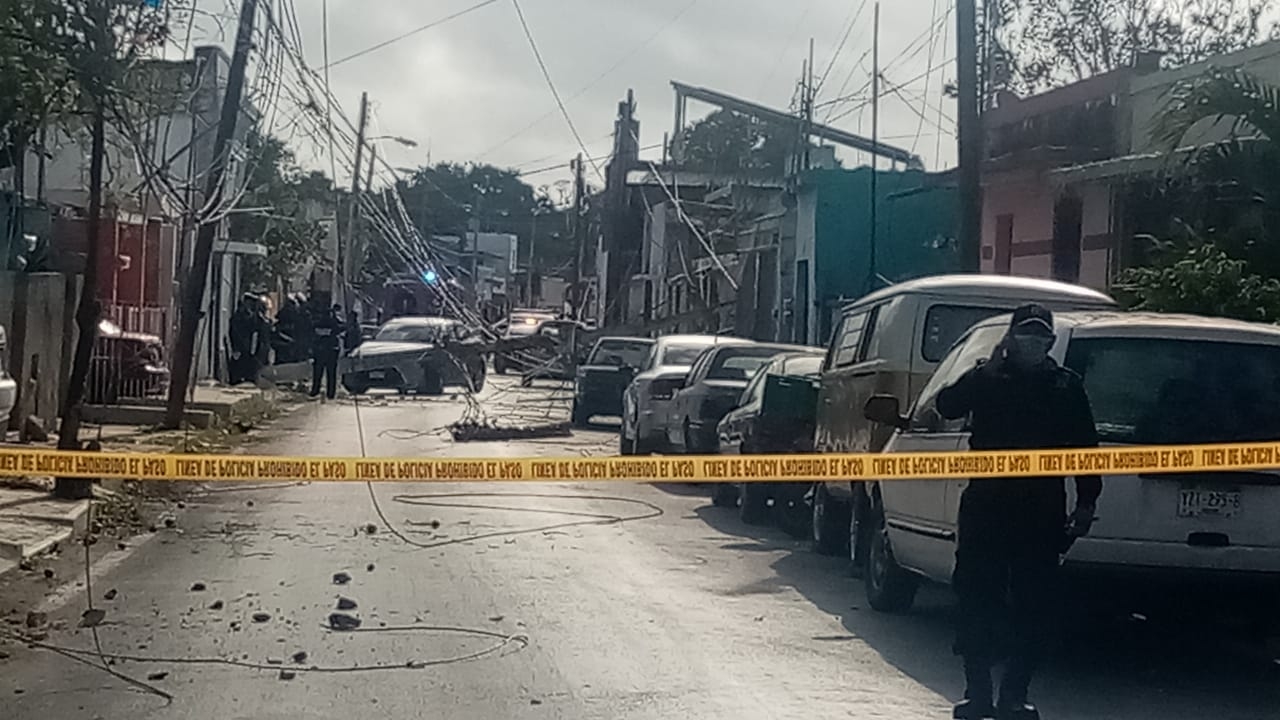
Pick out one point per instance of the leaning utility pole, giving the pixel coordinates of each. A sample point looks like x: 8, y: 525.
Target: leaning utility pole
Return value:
x: 198, y: 275
x: 969, y: 137
x: 344, y: 250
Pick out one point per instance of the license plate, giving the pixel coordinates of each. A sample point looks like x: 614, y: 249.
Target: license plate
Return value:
x: 1199, y: 502
x: 377, y: 375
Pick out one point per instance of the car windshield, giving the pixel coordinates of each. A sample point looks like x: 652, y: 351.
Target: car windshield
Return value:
x: 620, y: 353
x: 739, y: 363
x: 944, y: 324
x: 810, y: 365
x: 1157, y: 391
x: 410, y: 333
x: 682, y: 353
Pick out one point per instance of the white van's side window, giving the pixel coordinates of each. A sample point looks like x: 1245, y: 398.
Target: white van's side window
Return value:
x: 846, y: 344
x: 944, y: 324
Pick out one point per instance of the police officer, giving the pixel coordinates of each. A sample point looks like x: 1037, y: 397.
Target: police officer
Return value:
x: 1012, y: 531
x: 326, y: 346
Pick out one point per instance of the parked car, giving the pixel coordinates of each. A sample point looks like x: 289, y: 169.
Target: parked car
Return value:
x: 713, y: 386
x: 889, y: 342
x: 774, y: 414
x: 646, y: 404
x: 602, y: 379
x: 1151, y: 380
x: 519, y: 324
x: 125, y: 365
x: 8, y: 388
x: 420, y: 354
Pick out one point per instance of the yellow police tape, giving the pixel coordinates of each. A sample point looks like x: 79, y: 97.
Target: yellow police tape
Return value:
x: 1129, y: 460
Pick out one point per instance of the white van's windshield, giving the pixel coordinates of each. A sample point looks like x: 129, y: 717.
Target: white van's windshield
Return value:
x: 1158, y: 391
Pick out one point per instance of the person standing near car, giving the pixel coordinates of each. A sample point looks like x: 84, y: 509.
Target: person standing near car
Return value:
x: 326, y: 345
x: 1012, y: 531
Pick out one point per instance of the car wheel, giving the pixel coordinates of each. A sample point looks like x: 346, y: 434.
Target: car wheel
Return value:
x: 355, y: 386
x: 724, y: 495
x: 753, y: 502
x: 890, y: 588
x: 830, y: 524
x: 579, y: 416
x: 476, y: 378
x: 792, y: 510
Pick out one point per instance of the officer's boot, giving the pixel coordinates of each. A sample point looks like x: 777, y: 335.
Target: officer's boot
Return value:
x: 1013, y: 692
x: 977, y: 692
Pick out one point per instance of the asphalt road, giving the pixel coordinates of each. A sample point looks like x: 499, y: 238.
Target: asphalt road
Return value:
x: 532, y: 606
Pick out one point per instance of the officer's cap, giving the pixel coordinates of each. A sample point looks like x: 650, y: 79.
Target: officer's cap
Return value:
x: 1033, y: 318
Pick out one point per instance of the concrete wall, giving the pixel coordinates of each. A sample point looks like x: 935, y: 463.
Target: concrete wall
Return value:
x: 1029, y: 199
x: 35, y: 311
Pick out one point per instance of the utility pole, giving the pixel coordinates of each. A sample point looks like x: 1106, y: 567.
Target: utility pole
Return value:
x: 969, y: 137
x: 87, y: 312
x: 344, y: 249
x: 579, y: 237
x: 528, y: 279
x: 184, y: 352
x: 875, y: 146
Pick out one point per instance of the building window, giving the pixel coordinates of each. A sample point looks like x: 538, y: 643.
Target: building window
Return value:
x: 1004, y: 244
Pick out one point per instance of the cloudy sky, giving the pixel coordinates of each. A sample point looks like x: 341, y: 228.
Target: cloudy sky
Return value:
x: 471, y: 90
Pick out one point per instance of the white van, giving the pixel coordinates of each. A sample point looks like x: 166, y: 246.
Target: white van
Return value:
x: 1151, y: 380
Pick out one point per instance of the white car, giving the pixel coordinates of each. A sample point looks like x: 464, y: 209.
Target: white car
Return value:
x: 646, y: 404
x: 8, y: 388
x: 1151, y: 380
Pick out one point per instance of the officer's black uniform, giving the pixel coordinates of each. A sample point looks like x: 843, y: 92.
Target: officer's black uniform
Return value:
x: 326, y: 344
x: 1012, y: 531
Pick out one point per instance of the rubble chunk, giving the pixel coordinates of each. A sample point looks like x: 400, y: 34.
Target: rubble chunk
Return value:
x: 346, y: 603
x: 343, y: 622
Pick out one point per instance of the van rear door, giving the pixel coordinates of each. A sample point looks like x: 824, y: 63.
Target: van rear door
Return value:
x: 1162, y: 390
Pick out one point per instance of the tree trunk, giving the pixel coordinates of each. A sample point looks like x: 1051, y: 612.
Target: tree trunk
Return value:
x: 87, y: 315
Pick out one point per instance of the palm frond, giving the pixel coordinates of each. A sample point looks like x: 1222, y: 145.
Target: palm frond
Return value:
x: 1250, y: 105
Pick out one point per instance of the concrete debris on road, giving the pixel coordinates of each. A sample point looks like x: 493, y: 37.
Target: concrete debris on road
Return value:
x: 198, y: 587
x: 288, y: 674
x: 92, y: 617
x: 346, y: 603
x: 369, y: 567
x: 215, y: 605
x: 158, y: 675
x: 300, y: 657
x: 261, y: 617
x: 371, y: 529
x: 36, y: 619
x: 48, y: 573
x: 274, y: 661
x: 479, y: 432
x: 343, y: 622
x: 341, y: 578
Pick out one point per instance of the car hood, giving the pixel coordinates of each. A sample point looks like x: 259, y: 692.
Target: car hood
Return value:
x: 375, y: 348
x: 663, y: 371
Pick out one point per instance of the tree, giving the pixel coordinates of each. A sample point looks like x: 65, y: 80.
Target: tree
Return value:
x: 286, y: 226
x: 728, y: 142
x: 1046, y: 43
x: 1201, y: 279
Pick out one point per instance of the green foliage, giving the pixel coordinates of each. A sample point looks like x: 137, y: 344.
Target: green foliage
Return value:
x: 727, y: 142
x: 293, y: 199
x: 1046, y: 43
x: 1200, y: 279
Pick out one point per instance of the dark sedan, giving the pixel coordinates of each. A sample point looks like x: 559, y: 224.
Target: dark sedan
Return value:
x: 774, y: 415
x: 603, y: 378
x: 712, y: 388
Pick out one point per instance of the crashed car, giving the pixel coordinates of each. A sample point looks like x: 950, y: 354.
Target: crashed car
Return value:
x: 520, y: 326
x: 417, y: 354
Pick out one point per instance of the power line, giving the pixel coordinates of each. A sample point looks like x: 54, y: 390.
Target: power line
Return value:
x: 546, y: 74
x: 581, y: 91
x: 557, y: 166
x: 853, y: 20
x: 415, y: 31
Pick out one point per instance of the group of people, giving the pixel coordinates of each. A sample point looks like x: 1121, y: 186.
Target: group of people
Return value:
x: 303, y: 330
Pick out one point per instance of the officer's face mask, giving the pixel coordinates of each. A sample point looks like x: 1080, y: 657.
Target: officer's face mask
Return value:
x: 1029, y: 350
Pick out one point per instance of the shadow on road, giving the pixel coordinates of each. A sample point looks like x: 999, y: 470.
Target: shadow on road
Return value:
x: 1107, y: 667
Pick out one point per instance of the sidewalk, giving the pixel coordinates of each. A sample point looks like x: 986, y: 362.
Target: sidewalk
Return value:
x: 32, y: 521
